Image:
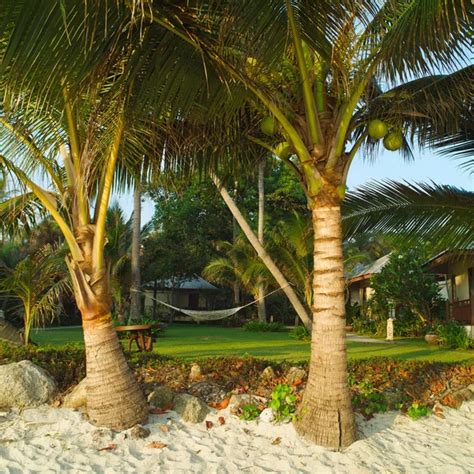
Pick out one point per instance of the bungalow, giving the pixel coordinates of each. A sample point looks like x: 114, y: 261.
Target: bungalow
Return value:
x: 455, y: 268
x: 187, y: 293
x: 454, y: 271
x: 358, y: 284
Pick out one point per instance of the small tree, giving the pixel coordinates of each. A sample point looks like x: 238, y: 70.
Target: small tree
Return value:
x: 37, y: 282
x: 404, y: 285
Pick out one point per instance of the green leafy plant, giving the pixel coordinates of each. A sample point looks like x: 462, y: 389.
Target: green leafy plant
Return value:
x: 416, y: 411
x: 258, y: 326
x: 283, y: 403
x: 300, y: 333
x: 368, y: 400
x: 403, y: 285
x: 452, y: 334
x: 250, y: 412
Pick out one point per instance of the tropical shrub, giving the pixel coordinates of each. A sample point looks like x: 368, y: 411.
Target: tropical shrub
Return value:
x: 300, y: 333
x: 66, y: 364
x: 403, y: 286
x: 417, y: 411
x: 363, y: 324
x: 452, y: 334
x: 259, y: 326
x: 250, y: 412
x: 37, y: 282
x: 283, y: 403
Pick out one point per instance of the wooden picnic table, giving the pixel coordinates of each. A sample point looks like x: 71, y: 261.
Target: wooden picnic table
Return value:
x: 141, y: 334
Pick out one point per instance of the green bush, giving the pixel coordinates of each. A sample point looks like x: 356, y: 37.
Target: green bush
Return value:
x: 283, y: 403
x: 367, y: 400
x: 417, y: 411
x: 454, y: 335
x: 362, y: 324
x: 66, y: 364
x: 250, y: 412
x: 300, y: 333
x: 258, y: 326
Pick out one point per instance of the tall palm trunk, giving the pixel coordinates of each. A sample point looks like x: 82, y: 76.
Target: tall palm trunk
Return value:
x: 325, y: 415
x: 235, y: 233
x: 261, y: 307
x: 135, y: 297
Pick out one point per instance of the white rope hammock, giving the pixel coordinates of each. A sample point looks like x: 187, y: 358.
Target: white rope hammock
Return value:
x: 211, y: 315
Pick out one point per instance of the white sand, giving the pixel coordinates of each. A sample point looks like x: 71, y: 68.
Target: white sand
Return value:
x: 61, y: 440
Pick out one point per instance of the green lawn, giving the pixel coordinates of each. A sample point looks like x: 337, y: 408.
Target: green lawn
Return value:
x: 193, y: 341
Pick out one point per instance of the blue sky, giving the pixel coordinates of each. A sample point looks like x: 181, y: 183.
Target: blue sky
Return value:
x: 427, y: 166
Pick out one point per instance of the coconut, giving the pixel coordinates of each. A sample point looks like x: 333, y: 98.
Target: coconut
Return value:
x: 393, y: 141
x: 283, y: 150
x: 268, y: 126
x: 251, y: 61
x: 377, y: 129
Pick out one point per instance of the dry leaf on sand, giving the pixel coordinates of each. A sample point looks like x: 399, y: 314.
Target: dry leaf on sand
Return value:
x: 157, y: 445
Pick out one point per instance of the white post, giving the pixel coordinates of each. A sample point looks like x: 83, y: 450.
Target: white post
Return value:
x: 2, y: 314
x: 390, y: 329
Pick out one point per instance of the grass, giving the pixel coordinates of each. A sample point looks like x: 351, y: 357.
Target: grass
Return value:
x: 197, y: 341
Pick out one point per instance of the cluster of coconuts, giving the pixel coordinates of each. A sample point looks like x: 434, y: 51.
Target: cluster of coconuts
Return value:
x: 392, y: 140
x: 269, y: 127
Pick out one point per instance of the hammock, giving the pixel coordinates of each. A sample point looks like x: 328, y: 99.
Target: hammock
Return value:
x: 205, y: 315
x: 212, y: 315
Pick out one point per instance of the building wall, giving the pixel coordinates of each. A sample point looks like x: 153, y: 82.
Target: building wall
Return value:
x: 180, y: 299
x: 355, y: 296
x: 461, y: 279
x: 164, y: 296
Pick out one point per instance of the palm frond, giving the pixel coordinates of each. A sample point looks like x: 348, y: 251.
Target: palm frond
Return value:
x: 440, y: 214
x: 415, y: 37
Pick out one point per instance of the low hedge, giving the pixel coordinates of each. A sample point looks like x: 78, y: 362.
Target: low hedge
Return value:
x: 377, y: 384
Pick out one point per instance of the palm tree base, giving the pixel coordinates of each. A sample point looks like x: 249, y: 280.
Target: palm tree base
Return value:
x: 114, y: 397
x: 325, y: 425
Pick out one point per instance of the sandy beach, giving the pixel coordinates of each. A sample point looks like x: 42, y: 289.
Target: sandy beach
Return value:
x: 54, y: 440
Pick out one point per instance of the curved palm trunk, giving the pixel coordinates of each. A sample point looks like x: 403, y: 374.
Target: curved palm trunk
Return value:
x: 261, y: 306
x: 326, y: 415
x: 27, y: 321
x: 261, y: 252
x: 135, y: 297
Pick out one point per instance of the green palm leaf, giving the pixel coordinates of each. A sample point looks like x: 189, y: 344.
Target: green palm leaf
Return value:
x: 440, y: 214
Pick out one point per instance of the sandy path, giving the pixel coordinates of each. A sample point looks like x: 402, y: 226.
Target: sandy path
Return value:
x: 60, y: 440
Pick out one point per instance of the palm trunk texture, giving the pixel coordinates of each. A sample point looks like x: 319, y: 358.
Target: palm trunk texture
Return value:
x: 114, y: 398
x: 135, y: 297
x: 261, y: 306
x: 325, y: 415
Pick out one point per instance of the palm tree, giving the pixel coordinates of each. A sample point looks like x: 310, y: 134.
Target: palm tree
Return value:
x: 291, y: 243
x: 261, y: 306
x: 265, y: 257
x: 85, y: 96
x: 135, y: 297
x: 239, y: 262
x: 345, y: 65
x: 441, y: 214
x: 119, y: 241
x: 38, y: 281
